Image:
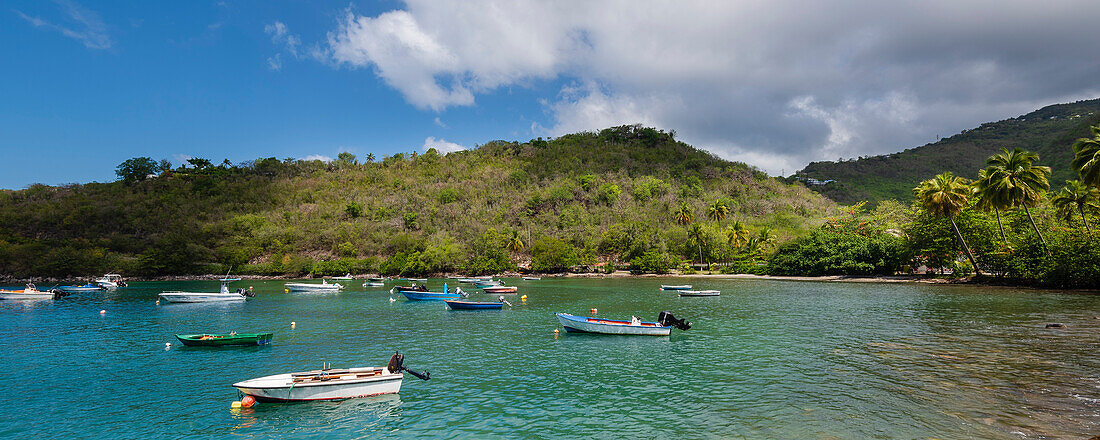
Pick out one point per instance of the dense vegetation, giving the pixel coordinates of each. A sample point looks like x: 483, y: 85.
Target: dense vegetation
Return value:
x: 1004, y: 225
x: 1047, y: 132
x: 586, y: 201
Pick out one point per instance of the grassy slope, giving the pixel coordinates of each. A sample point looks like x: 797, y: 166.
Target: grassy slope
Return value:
x: 280, y: 211
x: 1049, y: 131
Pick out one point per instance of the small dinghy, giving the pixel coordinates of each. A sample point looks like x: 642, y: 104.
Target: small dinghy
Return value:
x: 312, y: 287
x: 223, y: 340
x: 635, y: 326
x: 201, y: 297
x: 679, y: 287
x: 700, y: 292
x: 500, y: 289
x: 433, y: 296
x: 330, y: 383
x: 532, y: 278
x: 28, y: 293
x: 90, y: 287
x: 422, y: 280
x: 373, y: 284
x: 474, y: 305
x: 344, y: 278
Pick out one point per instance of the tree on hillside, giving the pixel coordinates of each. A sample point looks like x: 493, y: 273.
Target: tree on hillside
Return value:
x: 1014, y: 181
x: 515, y: 244
x: 697, y: 235
x: 1078, y: 197
x: 945, y: 196
x: 718, y: 211
x: 136, y: 169
x: 988, y: 200
x: 345, y: 159
x: 370, y: 157
x: 737, y: 234
x: 199, y: 163
x: 684, y: 216
x: 1086, y: 158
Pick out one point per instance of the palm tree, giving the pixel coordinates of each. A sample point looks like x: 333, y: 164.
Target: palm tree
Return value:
x: 736, y: 234
x: 987, y: 199
x: 1086, y: 158
x: 1014, y: 181
x: 765, y: 237
x: 370, y: 158
x: 695, y: 233
x: 945, y: 196
x: 1077, y: 196
x: 684, y: 216
x: 718, y: 211
x: 515, y: 244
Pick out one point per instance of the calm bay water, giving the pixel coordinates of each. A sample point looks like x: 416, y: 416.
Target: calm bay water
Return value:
x: 767, y: 359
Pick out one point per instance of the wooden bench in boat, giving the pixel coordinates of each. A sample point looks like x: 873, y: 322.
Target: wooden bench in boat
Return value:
x: 334, y: 374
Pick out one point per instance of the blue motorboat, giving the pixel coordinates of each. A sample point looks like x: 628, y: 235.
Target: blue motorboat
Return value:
x: 424, y: 295
x: 474, y: 305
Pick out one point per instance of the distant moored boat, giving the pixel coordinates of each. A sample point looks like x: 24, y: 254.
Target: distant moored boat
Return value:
x: 676, y: 287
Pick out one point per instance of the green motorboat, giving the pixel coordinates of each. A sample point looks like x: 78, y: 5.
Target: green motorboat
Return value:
x: 221, y: 340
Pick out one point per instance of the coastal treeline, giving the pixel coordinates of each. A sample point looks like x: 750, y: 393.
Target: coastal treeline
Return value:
x: 624, y: 197
x: 1004, y: 225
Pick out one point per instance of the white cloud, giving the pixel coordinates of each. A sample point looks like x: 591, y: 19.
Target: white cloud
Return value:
x: 281, y: 36
x: 749, y: 80
x: 442, y: 146
x: 319, y: 157
x: 439, y: 122
x: 85, y: 25
x: 275, y: 63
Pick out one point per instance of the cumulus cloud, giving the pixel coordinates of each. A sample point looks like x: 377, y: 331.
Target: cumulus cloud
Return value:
x: 275, y: 63
x: 319, y: 157
x: 748, y: 80
x: 442, y: 146
x: 84, y: 25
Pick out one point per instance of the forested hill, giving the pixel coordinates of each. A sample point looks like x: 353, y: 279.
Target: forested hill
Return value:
x: 580, y: 200
x: 1049, y: 131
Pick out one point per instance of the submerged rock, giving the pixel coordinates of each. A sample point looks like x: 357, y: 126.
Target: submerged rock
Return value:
x: 1056, y: 325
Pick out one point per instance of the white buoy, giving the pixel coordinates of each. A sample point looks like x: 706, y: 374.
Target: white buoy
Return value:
x: 392, y: 300
x: 292, y: 324
x: 167, y: 345
x: 102, y: 312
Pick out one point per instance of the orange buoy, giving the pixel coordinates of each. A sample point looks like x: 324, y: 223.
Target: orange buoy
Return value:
x: 248, y: 402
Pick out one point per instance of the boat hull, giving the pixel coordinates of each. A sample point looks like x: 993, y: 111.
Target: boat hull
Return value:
x: 700, y: 293
x: 17, y: 295
x: 246, y: 339
x: 429, y: 296
x: 580, y: 324
x: 509, y: 289
x: 200, y: 297
x: 474, y: 305
x: 306, y: 287
x: 681, y: 287
x: 286, y: 388
x: 79, y: 289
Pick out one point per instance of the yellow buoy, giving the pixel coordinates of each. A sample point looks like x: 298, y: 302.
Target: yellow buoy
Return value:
x: 286, y: 290
x: 236, y: 404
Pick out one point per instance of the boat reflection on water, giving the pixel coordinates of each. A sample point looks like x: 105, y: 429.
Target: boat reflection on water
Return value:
x: 367, y: 414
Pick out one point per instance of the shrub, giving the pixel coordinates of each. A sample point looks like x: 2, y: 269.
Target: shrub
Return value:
x: 550, y: 255
x: 654, y: 262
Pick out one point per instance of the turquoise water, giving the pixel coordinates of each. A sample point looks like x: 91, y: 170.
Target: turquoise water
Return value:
x: 767, y: 359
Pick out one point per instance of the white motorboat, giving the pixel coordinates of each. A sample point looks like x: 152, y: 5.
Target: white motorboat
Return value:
x: 373, y: 284
x: 29, y: 292
x: 110, y: 281
x: 676, y: 287
x: 344, y: 278
x: 312, y: 287
x: 635, y: 326
x: 532, y: 278
x: 700, y: 292
x: 329, y: 383
x: 200, y: 297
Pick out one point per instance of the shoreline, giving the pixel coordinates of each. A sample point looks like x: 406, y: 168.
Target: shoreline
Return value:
x: 884, y: 279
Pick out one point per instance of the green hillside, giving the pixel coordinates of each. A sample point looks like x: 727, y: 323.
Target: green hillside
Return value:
x: 1048, y: 131
x: 579, y: 200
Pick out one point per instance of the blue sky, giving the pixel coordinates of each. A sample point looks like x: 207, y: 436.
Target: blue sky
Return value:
x: 85, y: 85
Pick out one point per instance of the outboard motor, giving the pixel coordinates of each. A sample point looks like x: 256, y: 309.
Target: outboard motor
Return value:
x: 246, y: 292
x: 668, y: 319
x: 396, y: 365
